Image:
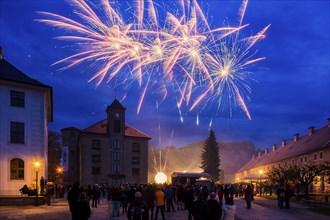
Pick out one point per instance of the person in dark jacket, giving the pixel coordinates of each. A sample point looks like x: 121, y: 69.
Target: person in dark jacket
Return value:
x: 215, y: 211
x: 73, y: 196
x: 199, y: 209
x: 83, y: 209
x: 137, y: 210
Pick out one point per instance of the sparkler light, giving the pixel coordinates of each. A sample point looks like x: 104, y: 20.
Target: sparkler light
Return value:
x: 181, y: 54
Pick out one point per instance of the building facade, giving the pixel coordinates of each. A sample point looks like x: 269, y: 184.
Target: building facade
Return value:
x: 108, y: 152
x: 25, y: 110
x: 313, y: 147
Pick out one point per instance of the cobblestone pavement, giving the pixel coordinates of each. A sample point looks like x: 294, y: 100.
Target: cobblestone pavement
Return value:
x: 262, y: 209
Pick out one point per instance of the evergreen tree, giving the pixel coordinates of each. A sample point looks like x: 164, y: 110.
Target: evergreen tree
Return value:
x: 210, y: 157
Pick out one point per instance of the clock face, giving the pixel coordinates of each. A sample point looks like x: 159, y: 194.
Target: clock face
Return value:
x: 117, y: 115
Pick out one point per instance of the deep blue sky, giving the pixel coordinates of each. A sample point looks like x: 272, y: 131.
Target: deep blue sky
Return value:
x: 292, y: 92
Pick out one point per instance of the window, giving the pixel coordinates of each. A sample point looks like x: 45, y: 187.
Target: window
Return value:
x: 136, y: 160
x: 306, y: 159
x: 116, y: 144
x: 17, y: 132
x: 293, y: 162
x: 96, y: 170
x: 136, y: 148
x: 321, y: 155
x: 116, y: 126
x: 315, y: 156
x: 115, y: 168
x: 116, y: 156
x: 96, y: 145
x: 135, y: 172
x: 301, y: 159
x: 96, y: 158
x: 17, y: 99
x: 17, y: 169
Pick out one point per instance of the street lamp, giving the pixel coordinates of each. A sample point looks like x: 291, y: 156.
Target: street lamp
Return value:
x: 260, y: 172
x: 59, y: 172
x: 36, y: 169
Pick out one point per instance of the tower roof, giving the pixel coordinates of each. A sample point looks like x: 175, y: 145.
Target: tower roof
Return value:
x: 116, y: 104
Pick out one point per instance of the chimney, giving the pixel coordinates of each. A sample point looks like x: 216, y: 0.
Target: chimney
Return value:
x: 328, y: 122
x: 283, y: 142
x: 274, y: 147
x: 311, y: 130
x: 295, y: 137
x: 259, y: 153
x: 266, y: 151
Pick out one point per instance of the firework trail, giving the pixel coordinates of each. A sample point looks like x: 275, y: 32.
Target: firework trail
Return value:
x: 169, y: 52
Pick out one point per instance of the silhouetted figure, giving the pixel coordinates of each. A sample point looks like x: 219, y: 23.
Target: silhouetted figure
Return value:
x: 73, y: 196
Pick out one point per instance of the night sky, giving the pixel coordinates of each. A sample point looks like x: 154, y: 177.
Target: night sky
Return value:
x: 290, y: 92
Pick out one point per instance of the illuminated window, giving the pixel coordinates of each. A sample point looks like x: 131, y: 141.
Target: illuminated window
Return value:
x: 17, y: 169
x: 17, y: 132
x: 17, y: 99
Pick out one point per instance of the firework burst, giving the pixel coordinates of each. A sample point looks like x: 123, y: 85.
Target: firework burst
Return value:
x: 180, y: 54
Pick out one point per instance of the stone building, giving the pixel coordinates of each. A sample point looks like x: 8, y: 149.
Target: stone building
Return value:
x: 26, y: 107
x: 110, y: 151
x: 314, y: 147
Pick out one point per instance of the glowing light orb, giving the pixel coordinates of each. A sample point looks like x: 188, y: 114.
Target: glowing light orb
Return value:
x: 160, y: 177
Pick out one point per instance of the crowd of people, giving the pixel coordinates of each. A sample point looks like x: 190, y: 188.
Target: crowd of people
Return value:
x: 150, y: 201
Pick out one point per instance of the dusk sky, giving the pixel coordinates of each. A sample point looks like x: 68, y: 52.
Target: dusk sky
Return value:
x: 290, y: 88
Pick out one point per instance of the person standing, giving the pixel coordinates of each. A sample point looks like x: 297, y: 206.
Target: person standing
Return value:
x: 199, y: 208
x: 150, y: 200
x: 137, y: 209
x: 160, y: 203
x: 214, y: 208
x: 220, y: 194
x: 169, y: 199
x: 248, y: 194
x: 95, y: 194
x: 115, y: 197
x: 83, y: 209
x: 73, y: 196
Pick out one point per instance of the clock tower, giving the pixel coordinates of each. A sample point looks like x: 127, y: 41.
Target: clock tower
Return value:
x: 116, y: 119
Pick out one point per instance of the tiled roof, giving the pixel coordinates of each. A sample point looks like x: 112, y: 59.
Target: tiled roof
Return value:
x: 11, y: 73
x: 317, y: 141
x: 101, y: 128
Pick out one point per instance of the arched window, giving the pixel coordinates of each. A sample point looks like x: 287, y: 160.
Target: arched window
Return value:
x: 17, y: 169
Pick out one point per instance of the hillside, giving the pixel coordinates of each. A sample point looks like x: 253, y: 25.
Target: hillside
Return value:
x: 233, y: 156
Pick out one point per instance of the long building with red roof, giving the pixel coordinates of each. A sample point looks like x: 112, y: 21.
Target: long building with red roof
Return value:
x: 107, y: 152
x: 314, y: 146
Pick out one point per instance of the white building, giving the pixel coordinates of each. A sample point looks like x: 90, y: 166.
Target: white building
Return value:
x: 25, y: 110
